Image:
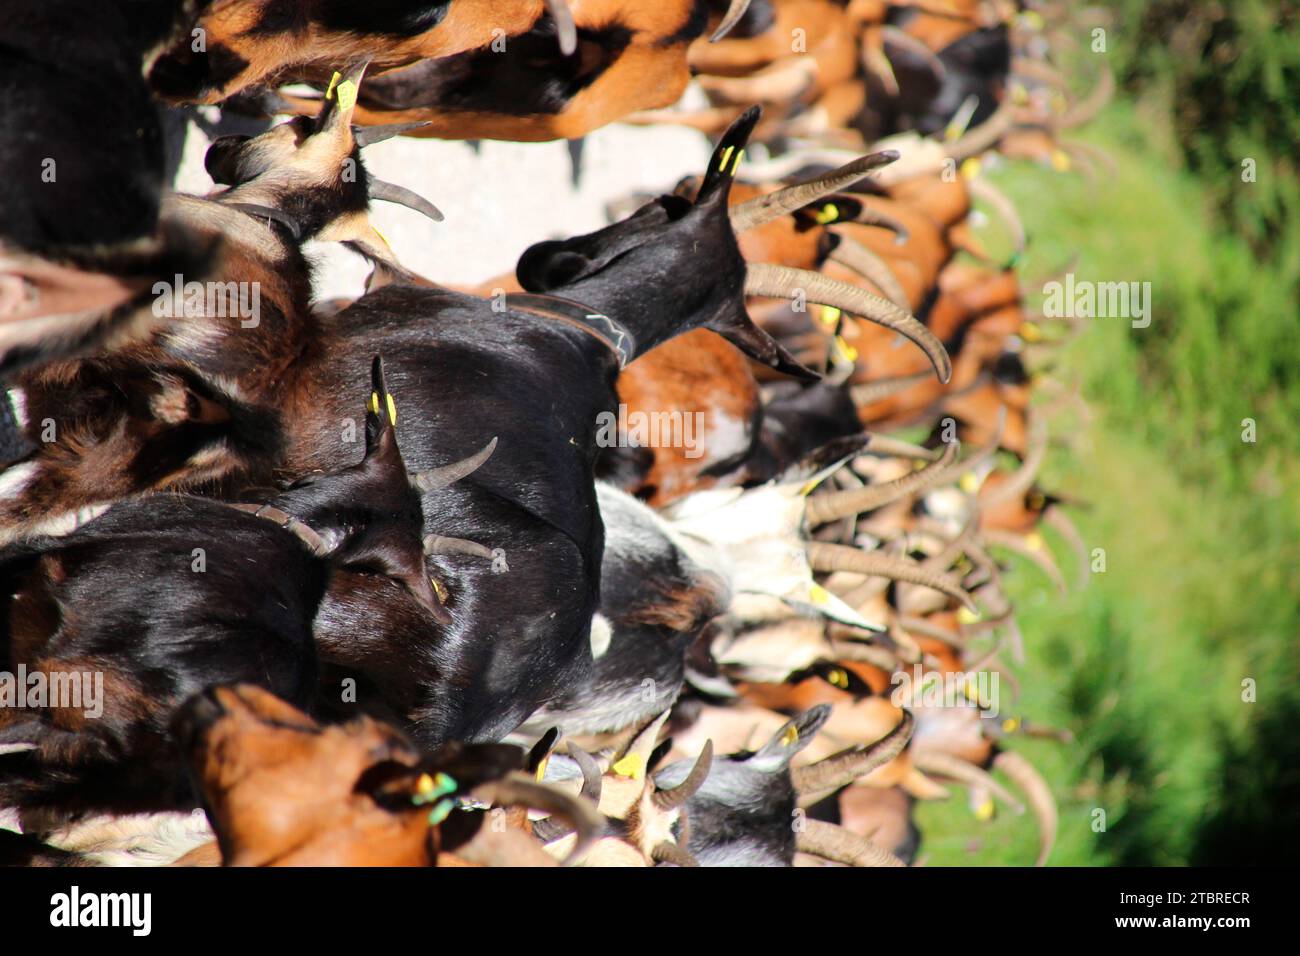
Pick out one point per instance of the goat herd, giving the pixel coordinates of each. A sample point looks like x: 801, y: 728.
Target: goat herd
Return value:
x: 409, y: 580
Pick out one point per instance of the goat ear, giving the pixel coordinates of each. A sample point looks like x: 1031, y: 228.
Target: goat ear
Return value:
x: 548, y: 265
x: 793, y: 737
x: 541, y: 753
x: 335, y: 117
x: 225, y: 160
x: 726, y: 160
x: 739, y: 329
x: 381, y: 410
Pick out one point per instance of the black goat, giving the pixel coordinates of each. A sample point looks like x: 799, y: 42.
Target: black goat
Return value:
x: 186, y: 593
x: 745, y: 813
x: 536, y: 370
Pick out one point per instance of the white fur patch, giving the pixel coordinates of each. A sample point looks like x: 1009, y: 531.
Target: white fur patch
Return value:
x: 14, y: 480
x: 18, y: 402
x: 601, y: 634
x: 146, y: 839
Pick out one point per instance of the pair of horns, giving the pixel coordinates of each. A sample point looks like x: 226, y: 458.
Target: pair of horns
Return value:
x: 783, y: 282
x: 837, y: 505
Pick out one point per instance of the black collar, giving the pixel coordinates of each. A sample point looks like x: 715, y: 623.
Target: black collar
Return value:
x: 612, y: 333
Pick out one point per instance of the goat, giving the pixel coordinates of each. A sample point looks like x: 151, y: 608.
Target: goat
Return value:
x: 281, y: 790
x: 614, y: 57
x: 188, y: 592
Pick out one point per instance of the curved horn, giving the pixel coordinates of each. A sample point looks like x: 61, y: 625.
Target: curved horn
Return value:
x: 853, y: 255
x: 946, y: 765
x: 878, y: 391
x: 831, y: 842
x: 782, y: 282
x: 824, y: 556
x: 735, y: 10
x: 391, y: 192
x: 1037, y: 553
x: 754, y: 212
x: 667, y: 852
x: 1090, y: 105
x: 439, y: 544
x: 844, y: 504
x: 678, y: 795
x: 369, y: 135
x: 314, y: 542
x: 566, y: 31
x: 519, y: 790
x: 1055, y: 517
x: 435, y: 478
x: 841, y: 769
x: 868, y: 216
x: 591, y: 776
x: 1039, y: 71
x: 897, y: 448
x: 1041, y: 802
x: 985, y: 191
x: 1018, y: 485
x: 984, y: 136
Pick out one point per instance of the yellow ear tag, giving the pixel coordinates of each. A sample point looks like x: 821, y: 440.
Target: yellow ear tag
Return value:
x: 740, y: 154
x: 1034, y: 541
x: 828, y: 214
x: 830, y: 315
x: 845, y: 351
x: 1030, y: 332
x: 1010, y: 725
x: 971, y: 168
x: 819, y: 595
x: 839, y: 678
x: 790, y: 737
x: 984, y: 812
x: 439, y: 589
x: 382, y: 237
x: 334, y: 81
x: 347, y: 91
x: 969, y: 483
x: 1060, y: 160
x: 392, y: 410
x: 726, y: 155
x: 372, y: 406
x: 541, y: 768
x: 424, y: 786
x: 967, y: 616
x: 630, y: 766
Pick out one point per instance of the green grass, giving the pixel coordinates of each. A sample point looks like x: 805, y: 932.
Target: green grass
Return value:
x: 1201, y: 532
